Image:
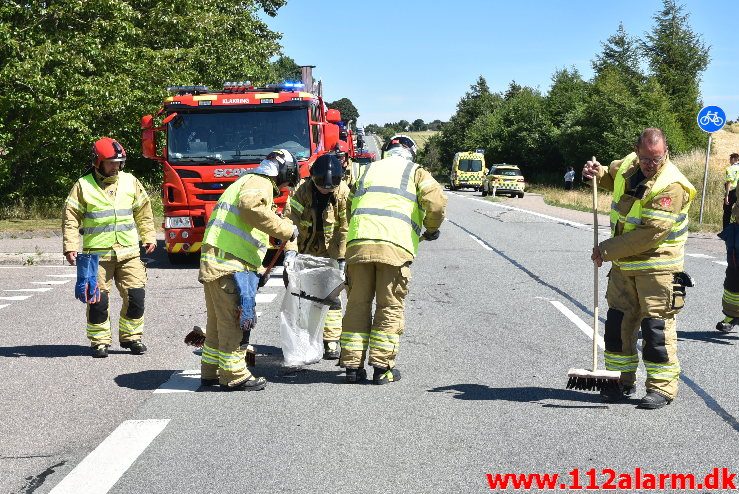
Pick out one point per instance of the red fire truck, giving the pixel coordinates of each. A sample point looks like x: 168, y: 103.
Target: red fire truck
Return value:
x: 211, y: 138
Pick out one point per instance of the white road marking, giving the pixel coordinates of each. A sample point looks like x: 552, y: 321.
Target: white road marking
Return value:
x: 186, y: 381
x: 102, y: 468
x: 723, y: 263
x: 15, y: 298
x: 265, y: 298
x: 50, y: 282
x: 259, y: 314
x: 275, y: 281
x: 702, y: 256
x: 30, y: 290
x: 68, y: 275
x: 483, y: 244
x: 278, y: 270
x: 584, y: 327
x: 540, y: 215
x: 4, y: 305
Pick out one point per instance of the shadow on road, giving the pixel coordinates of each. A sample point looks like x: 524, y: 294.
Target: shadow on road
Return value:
x: 148, y: 380
x: 50, y: 351
x: 708, y: 337
x: 524, y: 394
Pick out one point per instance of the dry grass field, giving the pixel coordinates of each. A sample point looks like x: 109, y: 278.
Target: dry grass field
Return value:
x: 724, y: 142
x: 421, y: 137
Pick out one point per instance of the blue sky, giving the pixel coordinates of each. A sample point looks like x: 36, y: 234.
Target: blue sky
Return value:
x: 415, y: 59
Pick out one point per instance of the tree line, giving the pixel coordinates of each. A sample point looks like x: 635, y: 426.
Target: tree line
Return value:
x: 652, y: 81
x: 72, y: 72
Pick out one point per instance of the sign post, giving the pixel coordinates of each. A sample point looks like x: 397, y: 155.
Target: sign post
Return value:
x: 710, y: 119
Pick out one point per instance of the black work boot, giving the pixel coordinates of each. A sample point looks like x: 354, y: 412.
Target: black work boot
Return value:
x: 136, y: 347
x: 385, y: 375
x: 727, y: 325
x: 100, y: 351
x: 616, y: 392
x: 653, y: 400
x: 355, y: 375
x: 252, y: 384
x: 331, y: 350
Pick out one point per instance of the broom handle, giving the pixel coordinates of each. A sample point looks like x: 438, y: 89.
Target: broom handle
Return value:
x: 273, y: 261
x: 595, y: 273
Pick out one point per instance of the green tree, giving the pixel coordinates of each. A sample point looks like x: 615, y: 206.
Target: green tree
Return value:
x: 75, y: 71
x: 477, y: 101
x: 285, y: 69
x: 346, y: 108
x: 678, y: 56
x: 418, y: 125
x: 621, y: 52
x: 565, y: 104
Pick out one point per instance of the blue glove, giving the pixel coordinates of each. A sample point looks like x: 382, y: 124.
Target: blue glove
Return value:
x: 86, y: 289
x: 246, y: 284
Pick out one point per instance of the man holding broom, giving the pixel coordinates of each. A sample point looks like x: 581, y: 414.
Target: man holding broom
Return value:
x: 646, y: 285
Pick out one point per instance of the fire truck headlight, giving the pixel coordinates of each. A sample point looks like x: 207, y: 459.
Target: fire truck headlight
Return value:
x: 177, y: 222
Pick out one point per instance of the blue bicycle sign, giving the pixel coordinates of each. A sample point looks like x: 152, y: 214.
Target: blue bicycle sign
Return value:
x: 711, y: 119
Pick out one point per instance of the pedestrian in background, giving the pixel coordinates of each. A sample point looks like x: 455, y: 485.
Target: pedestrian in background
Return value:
x: 730, y: 182
x: 646, y: 286
x: 569, y: 178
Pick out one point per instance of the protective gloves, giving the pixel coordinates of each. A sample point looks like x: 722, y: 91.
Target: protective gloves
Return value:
x: 246, y: 284
x: 86, y: 289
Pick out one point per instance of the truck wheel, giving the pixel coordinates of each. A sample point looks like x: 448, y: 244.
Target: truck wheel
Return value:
x: 520, y: 195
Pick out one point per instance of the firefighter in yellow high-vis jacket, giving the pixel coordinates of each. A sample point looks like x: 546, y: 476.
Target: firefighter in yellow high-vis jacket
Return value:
x: 319, y: 209
x: 646, y: 286
x: 113, y: 212
x: 391, y: 202
x: 235, y: 243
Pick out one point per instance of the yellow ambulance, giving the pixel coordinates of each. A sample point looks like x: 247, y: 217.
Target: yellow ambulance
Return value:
x: 468, y: 170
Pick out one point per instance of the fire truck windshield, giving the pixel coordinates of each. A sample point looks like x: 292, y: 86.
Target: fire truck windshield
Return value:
x: 237, y: 136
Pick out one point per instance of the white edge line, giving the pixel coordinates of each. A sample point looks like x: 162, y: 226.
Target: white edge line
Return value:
x: 50, y: 282
x: 30, y: 289
x: 98, y: 472
x: 578, y: 322
x: 4, y: 305
x: 546, y: 216
x: 723, y: 263
x: 701, y: 256
x: 14, y: 298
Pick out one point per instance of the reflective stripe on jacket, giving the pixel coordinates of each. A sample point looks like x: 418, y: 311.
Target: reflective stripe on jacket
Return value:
x: 668, y: 255
x: 385, y: 207
x: 108, y: 220
x: 227, y: 232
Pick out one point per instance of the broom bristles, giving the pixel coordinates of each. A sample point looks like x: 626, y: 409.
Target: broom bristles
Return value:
x: 597, y: 380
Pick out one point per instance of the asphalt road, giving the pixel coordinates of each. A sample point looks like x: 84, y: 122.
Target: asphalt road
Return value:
x: 484, y: 359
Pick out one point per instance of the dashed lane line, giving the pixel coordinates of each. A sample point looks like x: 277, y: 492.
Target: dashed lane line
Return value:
x: 584, y: 327
x: 186, y: 381
x: 265, y: 298
x: 16, y: 298
x: 484, y: 246
x: 30, y: 289
x: 702, y: 256
x: 275, y: 282
x: 4, y: 305
x: 68, y: 275
x: 722, y: 263
x: 101, y: 469
x: 50, y: 282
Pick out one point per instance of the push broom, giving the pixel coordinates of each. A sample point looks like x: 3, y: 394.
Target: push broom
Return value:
x: 590, y: 380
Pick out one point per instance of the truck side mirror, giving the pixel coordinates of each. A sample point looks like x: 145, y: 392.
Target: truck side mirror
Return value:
x: 330, y: 136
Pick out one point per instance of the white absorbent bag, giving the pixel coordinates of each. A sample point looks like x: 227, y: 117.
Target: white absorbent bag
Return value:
x: 310, y: 281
